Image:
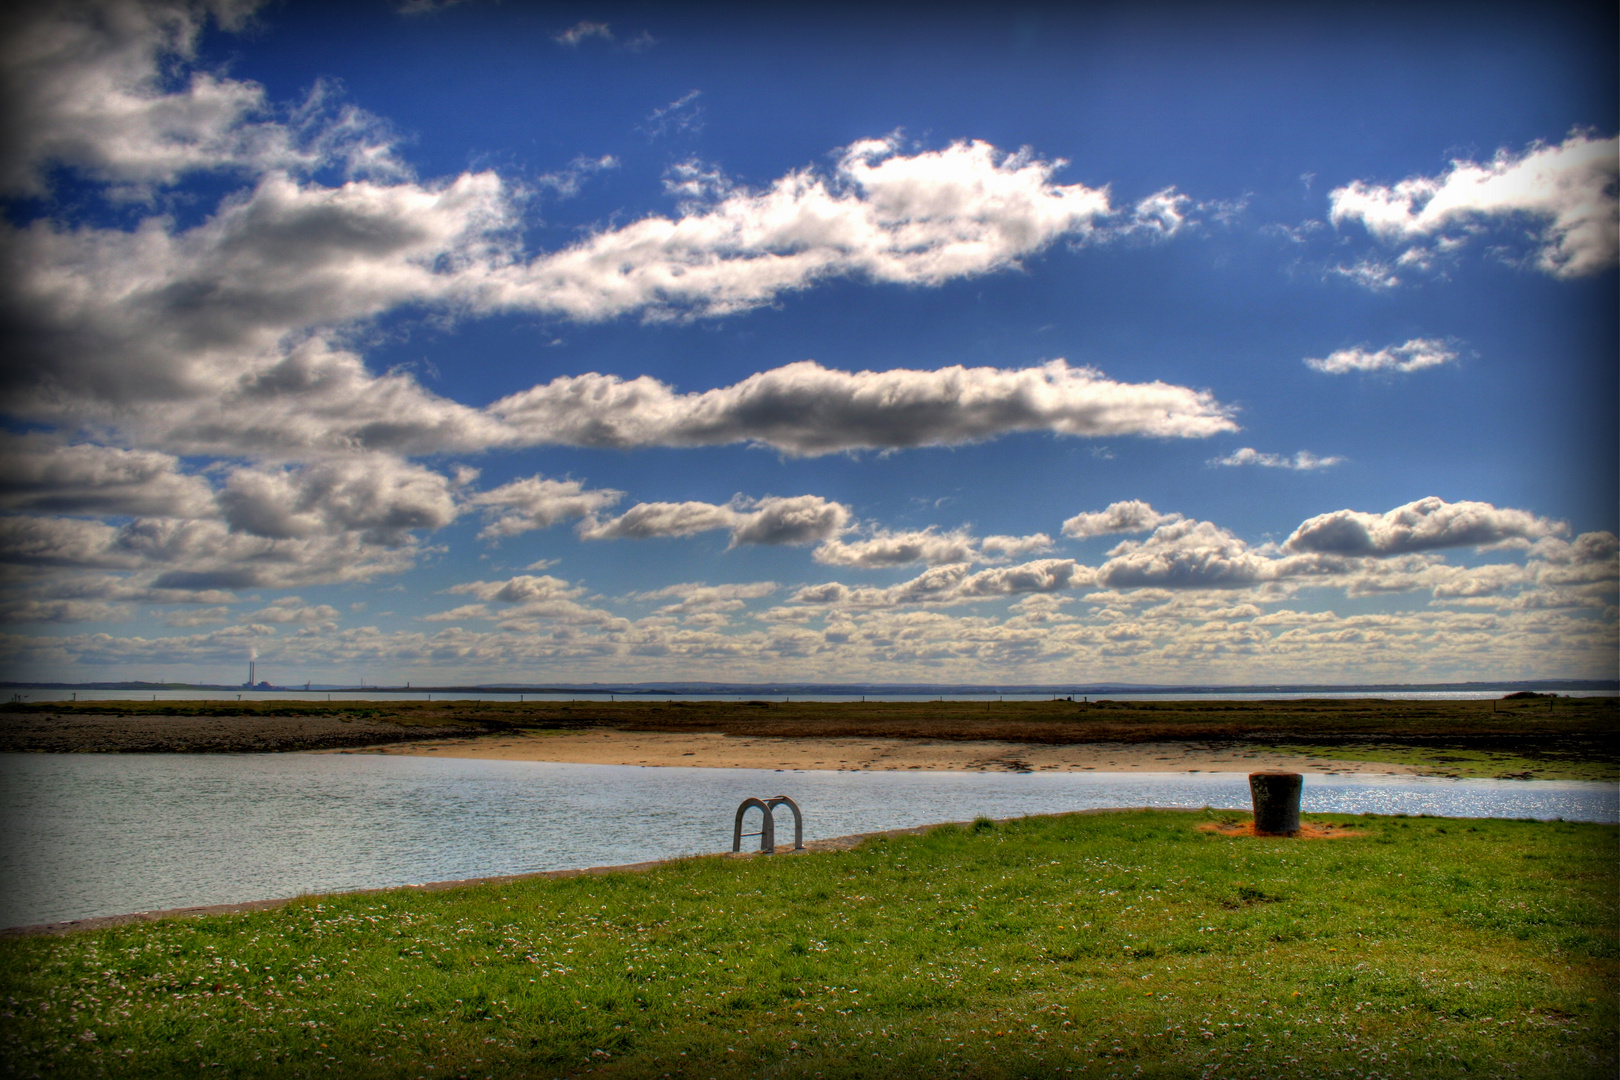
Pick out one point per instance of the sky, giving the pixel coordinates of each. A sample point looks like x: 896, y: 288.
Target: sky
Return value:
x: 477, y: 342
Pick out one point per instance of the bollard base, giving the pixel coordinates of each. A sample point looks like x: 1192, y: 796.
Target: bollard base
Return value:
x: 1276, y: 802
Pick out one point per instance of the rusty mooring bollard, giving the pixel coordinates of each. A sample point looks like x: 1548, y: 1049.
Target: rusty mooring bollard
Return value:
x: 1276, y: 802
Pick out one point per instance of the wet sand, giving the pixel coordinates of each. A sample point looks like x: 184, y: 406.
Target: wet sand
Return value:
x: 707, y: 750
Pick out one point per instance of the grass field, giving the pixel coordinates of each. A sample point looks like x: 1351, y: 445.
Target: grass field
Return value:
x: 1124, y: 944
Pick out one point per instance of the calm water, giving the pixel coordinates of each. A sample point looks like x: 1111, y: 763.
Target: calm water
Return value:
x: 90, y: 834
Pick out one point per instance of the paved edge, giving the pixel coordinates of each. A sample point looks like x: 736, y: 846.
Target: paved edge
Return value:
x: 836, y: 843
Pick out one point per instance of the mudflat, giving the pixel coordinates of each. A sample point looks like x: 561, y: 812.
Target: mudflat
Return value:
x: 1522, y: 737
x: 710, y: 750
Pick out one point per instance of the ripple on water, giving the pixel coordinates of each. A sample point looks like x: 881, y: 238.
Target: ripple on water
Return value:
x: 90, y: 835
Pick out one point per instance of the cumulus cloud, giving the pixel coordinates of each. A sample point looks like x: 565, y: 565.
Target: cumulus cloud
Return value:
x: 227, y: 336
x: 798, y: 519
x: 87, y: 86
x: 695, y: 598
x: 1592, y: 557
x: 1414, y: 355
x: 915, y: 219
x: 1130, y: 516
x: 1568, y: 189
x: 291, y: 609
x: 380, y: 498
x: 1013, y: 546
x: 884, y: 548
x: 39, y: 473
x: 1303, y: 460
x: 527, y: 601
x: 538, y: 503
x: 62, y: 611
x: 1186, y: 554
x: 954, y: 584
x: 1425, y: 525
x: 806, y: 409
x: 524, y: 589
x: 200, y: 557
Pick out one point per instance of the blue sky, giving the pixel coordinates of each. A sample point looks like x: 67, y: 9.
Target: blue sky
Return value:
x: 480, y: 342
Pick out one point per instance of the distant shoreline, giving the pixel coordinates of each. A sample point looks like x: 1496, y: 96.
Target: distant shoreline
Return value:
x: 1599, y: 686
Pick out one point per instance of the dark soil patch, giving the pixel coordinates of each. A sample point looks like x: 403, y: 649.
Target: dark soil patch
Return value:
x: 1307, y: 831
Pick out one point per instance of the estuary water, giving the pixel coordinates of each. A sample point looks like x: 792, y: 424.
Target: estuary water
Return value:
x: 91, y: 834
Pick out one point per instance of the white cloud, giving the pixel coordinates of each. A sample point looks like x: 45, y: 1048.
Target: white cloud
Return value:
x: 1414, y: 355
x: 954, y: 584
x: 537, y: 503
x: 524, y: 589
x: 565, y: 183
x: 227, y: 336
x: 1424, y: 525
x: 884, y: 548
x: 1013, y: 546
x: 1568, y: 188
x: 528, y: 601
x: 379, y: 497
x: 125, y: 322
x: 62, y: 611
x: 1185, y: 554
x: 693, y: 598
x: 582, y: 31
x: 799, y: 519
x: 200, y: 557
x: 1368, y: 273
x: 40, y: 474
x: 1303, y: 461
x: 683, y: 115
x: 208, y: 616
x: 290, y: 609
x: 1130, y: 516
x: 806, y: 409
x: 919, y: 219
x: 86, y: 86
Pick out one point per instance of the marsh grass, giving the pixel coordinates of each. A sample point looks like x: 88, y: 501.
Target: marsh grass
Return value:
x: 1470, y: 763
x: 1087, y: 945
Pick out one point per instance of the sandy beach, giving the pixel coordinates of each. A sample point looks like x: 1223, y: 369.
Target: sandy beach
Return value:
x: 707, y: 750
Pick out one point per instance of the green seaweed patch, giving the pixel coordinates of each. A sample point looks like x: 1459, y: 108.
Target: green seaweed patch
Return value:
x: 1471, y: 763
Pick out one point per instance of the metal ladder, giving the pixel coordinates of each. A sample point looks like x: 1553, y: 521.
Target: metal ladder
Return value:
x: 767, y: 831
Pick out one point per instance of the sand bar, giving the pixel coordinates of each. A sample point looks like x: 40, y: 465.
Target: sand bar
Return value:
x: 709, y: 750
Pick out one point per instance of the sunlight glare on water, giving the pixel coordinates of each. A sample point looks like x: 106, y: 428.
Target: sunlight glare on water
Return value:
x: 90, y: 834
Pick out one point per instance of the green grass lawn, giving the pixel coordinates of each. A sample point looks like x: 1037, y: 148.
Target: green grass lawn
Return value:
x: 1125, y: 944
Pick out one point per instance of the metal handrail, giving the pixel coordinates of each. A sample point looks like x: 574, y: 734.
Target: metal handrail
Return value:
x: 767, y: 832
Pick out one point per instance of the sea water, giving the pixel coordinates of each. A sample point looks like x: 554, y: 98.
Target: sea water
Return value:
x: 103, y: 834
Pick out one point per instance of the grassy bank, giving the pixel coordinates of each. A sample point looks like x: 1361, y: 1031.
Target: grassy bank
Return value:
x: 1081, y: 945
